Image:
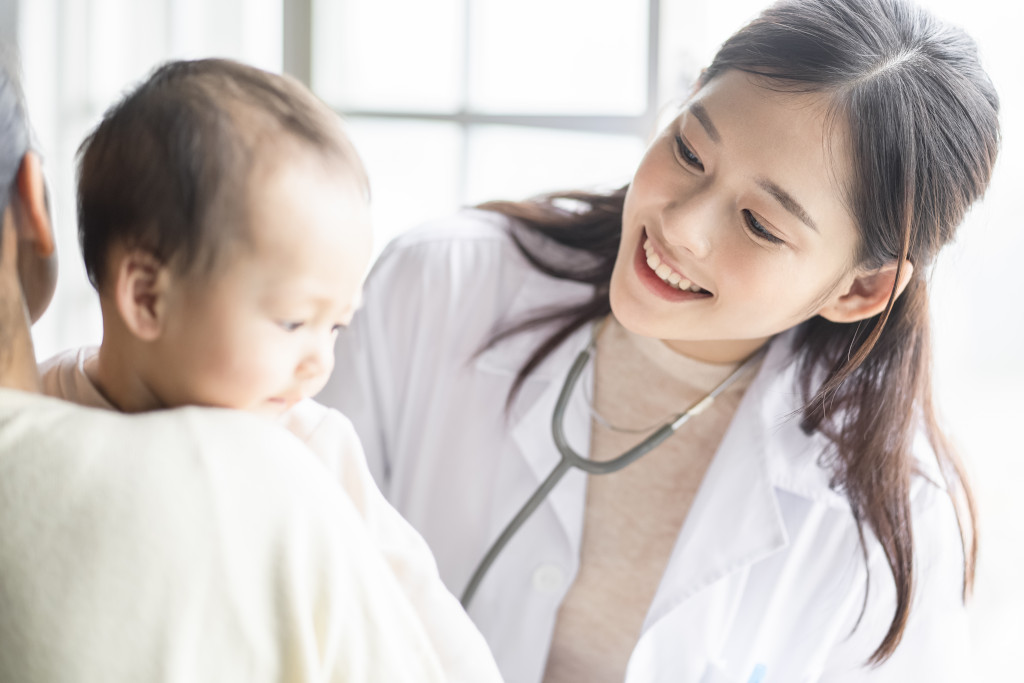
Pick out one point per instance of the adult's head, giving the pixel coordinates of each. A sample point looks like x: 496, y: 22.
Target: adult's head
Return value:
x: 28, y: 270
x: 901, y: 130
x: 919, y: 114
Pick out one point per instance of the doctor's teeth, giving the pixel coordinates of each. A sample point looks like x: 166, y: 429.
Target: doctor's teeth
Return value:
x: 665, y: 272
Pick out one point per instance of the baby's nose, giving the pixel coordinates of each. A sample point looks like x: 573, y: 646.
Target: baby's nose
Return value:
x: 319, y: 359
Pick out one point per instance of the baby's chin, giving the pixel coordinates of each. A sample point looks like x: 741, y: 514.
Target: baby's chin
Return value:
x: 273, y: 407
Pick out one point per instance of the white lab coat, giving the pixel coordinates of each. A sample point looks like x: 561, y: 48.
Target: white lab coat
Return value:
x: 766, y: 581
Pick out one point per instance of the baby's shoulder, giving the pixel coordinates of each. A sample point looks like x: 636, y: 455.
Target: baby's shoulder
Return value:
x: 326, y: 432
x: 215, y: 459
x: 63, y: 376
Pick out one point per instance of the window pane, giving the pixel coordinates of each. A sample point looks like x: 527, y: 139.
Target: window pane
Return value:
x: 513, y: 163
x: 690, y: 34
x: 403, y: 55
x: 413, y: 168
x: 110, y: 65
x: 249, y: 30
x: 150, y: 32
x: 558, y: 56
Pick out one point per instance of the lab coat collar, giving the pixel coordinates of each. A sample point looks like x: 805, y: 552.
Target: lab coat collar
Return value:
x: 766, y: 421
x: 532, y: 411
x: 764, y: 452
x: 738, y: 492
x: 735, y: 519
x: 533, y: 437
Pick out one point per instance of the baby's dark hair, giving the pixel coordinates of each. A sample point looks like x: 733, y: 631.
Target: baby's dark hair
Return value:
x: 168, y: 168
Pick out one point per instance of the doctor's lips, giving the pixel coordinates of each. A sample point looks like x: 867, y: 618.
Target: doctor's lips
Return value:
x: 666, y: 278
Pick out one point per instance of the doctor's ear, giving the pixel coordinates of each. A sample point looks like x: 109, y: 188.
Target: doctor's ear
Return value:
x: 868, y: 293
x: 139, y: 284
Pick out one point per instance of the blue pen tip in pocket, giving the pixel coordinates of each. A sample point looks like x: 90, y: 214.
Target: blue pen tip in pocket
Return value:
x: 757, y: 675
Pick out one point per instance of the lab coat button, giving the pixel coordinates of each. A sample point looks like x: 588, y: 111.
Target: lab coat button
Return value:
x: 548, y: 578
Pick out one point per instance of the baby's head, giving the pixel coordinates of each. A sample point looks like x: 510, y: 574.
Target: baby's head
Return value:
x: 224, y: 220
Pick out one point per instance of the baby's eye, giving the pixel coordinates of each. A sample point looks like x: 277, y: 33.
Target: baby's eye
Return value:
x: 290, y: 325
x: 337, y: 328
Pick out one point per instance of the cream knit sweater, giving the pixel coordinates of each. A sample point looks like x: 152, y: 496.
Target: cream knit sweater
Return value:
x: 188, y: 546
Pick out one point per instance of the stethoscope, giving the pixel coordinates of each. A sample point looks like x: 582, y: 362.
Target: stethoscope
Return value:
x: 570, y: 458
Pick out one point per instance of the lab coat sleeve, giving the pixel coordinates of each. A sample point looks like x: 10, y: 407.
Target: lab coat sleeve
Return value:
x: 936, y: 643
x: 429, y: 302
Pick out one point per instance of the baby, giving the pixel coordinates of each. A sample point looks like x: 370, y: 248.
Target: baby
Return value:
x: 224, y: 221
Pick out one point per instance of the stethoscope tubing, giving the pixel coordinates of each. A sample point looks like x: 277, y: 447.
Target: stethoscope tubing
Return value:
x: 569, y: 458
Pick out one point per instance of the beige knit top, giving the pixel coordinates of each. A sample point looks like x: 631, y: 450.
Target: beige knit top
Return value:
x: 633, y: 517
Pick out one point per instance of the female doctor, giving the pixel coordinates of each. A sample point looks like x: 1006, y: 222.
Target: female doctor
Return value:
x: 748, y: 323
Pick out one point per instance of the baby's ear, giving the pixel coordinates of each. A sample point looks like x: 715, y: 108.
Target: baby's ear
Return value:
x: 868, y: 293
x: 141, y: 283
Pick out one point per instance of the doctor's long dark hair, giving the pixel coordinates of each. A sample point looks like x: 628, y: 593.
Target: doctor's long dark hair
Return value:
x: 924, y: 132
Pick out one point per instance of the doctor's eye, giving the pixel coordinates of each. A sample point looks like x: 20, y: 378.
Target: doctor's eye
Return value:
x: 687, y: 155
x: 758, y: 230
x: 290, y: 325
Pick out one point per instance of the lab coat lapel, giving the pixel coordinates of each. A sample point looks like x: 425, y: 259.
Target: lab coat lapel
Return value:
x: 735, y: 519
x: 531, y: 414
x: 533, y: 436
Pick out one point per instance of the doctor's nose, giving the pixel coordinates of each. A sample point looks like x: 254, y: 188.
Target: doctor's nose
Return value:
x: 689, y: 223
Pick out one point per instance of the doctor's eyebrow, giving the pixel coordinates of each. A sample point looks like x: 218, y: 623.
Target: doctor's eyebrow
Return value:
x: 788, y: 203
x: 784, y: 198
x: 701, y: 114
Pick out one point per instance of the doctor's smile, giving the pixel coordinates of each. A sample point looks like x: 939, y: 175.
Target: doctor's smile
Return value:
x: 656, y: 272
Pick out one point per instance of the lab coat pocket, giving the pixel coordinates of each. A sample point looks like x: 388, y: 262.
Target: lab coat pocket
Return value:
x: 718, y: 673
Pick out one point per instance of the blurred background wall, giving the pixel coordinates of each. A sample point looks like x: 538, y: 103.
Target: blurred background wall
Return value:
x: 453, y: 102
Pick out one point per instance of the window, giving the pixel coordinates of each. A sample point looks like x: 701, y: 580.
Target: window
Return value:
x: 468, y: 101
x: 453, y: 102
